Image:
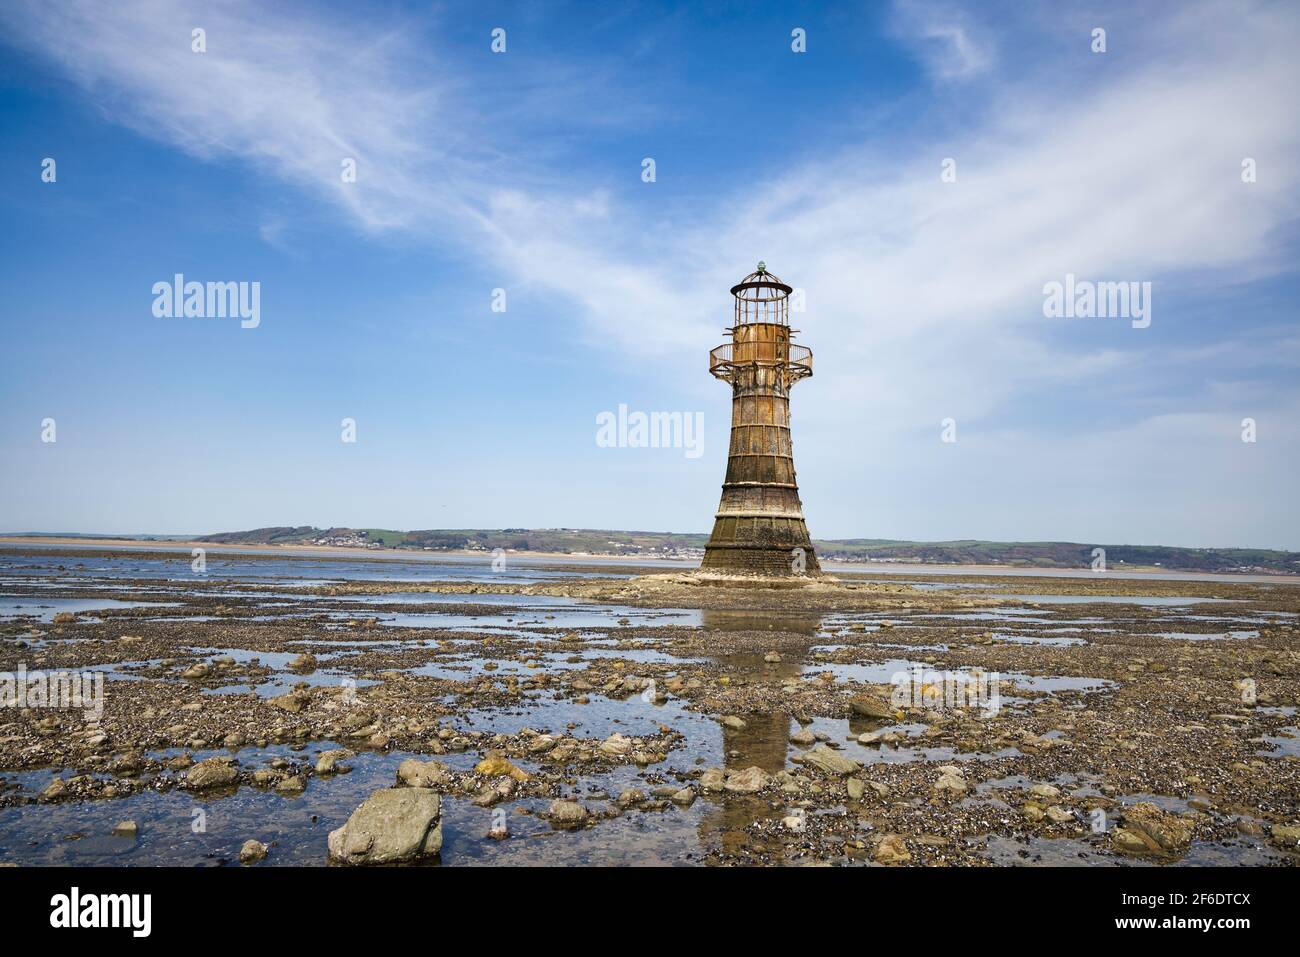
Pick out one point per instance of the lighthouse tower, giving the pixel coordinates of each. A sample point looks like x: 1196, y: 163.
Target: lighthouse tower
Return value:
x: 759, y: 527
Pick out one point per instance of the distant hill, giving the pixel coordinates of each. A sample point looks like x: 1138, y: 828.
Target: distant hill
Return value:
x: 866, y: 550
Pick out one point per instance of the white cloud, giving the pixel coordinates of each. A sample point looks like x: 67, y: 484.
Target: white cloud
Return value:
x: 952, y: 47
x: 293, y: 95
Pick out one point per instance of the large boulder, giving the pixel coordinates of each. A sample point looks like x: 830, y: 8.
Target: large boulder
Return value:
x: 748, y: 781
x: 293, y: 702
x: 1287, y: 835
x: 827, y: 761
x: 567, y: 814
x: 304, y: 663
x: 1149, y: 830
x: 951, y: 780
x: 616, y: 745
x: 327, y: 762
x: 714, y: 779
x: 495, y: 764
x: 211, y: 773
x: 392, y: 826
x: 868, y: 705
x: 424, y: 774
x: 252, y: 852
x: 892, y: 849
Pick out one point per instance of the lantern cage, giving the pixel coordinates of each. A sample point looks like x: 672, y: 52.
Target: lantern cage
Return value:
x: 762, y: 297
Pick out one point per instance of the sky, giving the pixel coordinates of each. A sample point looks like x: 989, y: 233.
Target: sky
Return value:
x: 921, y: 172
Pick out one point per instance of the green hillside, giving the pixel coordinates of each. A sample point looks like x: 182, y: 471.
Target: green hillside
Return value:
x: 864, y: 550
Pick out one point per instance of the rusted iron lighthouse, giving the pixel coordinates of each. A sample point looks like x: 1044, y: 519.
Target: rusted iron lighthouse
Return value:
x: 759, y: 527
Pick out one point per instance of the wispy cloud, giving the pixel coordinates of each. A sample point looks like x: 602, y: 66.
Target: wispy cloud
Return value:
x: 293, y: 94
x: 950, y: 42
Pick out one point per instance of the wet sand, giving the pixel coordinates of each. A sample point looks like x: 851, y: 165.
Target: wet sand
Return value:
x: 696, y: 720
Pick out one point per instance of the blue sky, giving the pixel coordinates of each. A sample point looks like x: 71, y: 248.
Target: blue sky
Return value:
x: 523, y: 171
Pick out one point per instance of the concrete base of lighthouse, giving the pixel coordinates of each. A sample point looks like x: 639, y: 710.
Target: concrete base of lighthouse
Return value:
x: 771, y: 546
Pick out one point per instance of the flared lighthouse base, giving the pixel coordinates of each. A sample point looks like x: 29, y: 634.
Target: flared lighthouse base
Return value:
x: 771, y: 547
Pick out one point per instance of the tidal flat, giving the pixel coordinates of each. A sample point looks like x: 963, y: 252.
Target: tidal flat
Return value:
x: 608, y: 715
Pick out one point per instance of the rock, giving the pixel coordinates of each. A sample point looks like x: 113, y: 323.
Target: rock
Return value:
x: 490, y: 796
x: 1160, y: 832
x: 392, y: 826
x: 567, y: 814
x: 951, y: 780
x: 1058, y: 815
x: 616, y: 745
x: 631, y: 796
x: 293, y: 702
x: 126, y: 829
x: 803, y: 738
x: 1250, y: 828
x: 1287, y: 835
x: 794, y: 822
x: 252, y: 852
x: 772, y: 657
x: 211, y: 773
x: 714, y: 779
x: 684, y: 797
x: 327, y: 761
x: 869, y: 706
x: 293, y: 784
x: 129, y: 765
x: 856, y: 789
x: 541, y: 744
x: 1128, y: 842
x: 748, y: 781
x: 424, y: 774
x: 55, y: 790
x: 305, y: 663
x: 63, y: 618
x: 892, y: 849
x: 1048, y: 791
x: 496, y: 764
x: 734, y: 723
x: 827, y: 761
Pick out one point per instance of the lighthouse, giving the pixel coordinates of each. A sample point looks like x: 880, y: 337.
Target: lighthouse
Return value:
x: 759, y: 526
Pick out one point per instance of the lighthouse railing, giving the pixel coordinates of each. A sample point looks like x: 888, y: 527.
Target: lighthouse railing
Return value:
x: 796, y: 359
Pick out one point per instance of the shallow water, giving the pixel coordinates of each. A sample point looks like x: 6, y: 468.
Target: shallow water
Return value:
x: 13, y: 607
x: 1200, y: 636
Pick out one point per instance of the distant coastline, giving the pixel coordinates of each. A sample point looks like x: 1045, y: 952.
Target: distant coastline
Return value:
x: 601, y: 546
